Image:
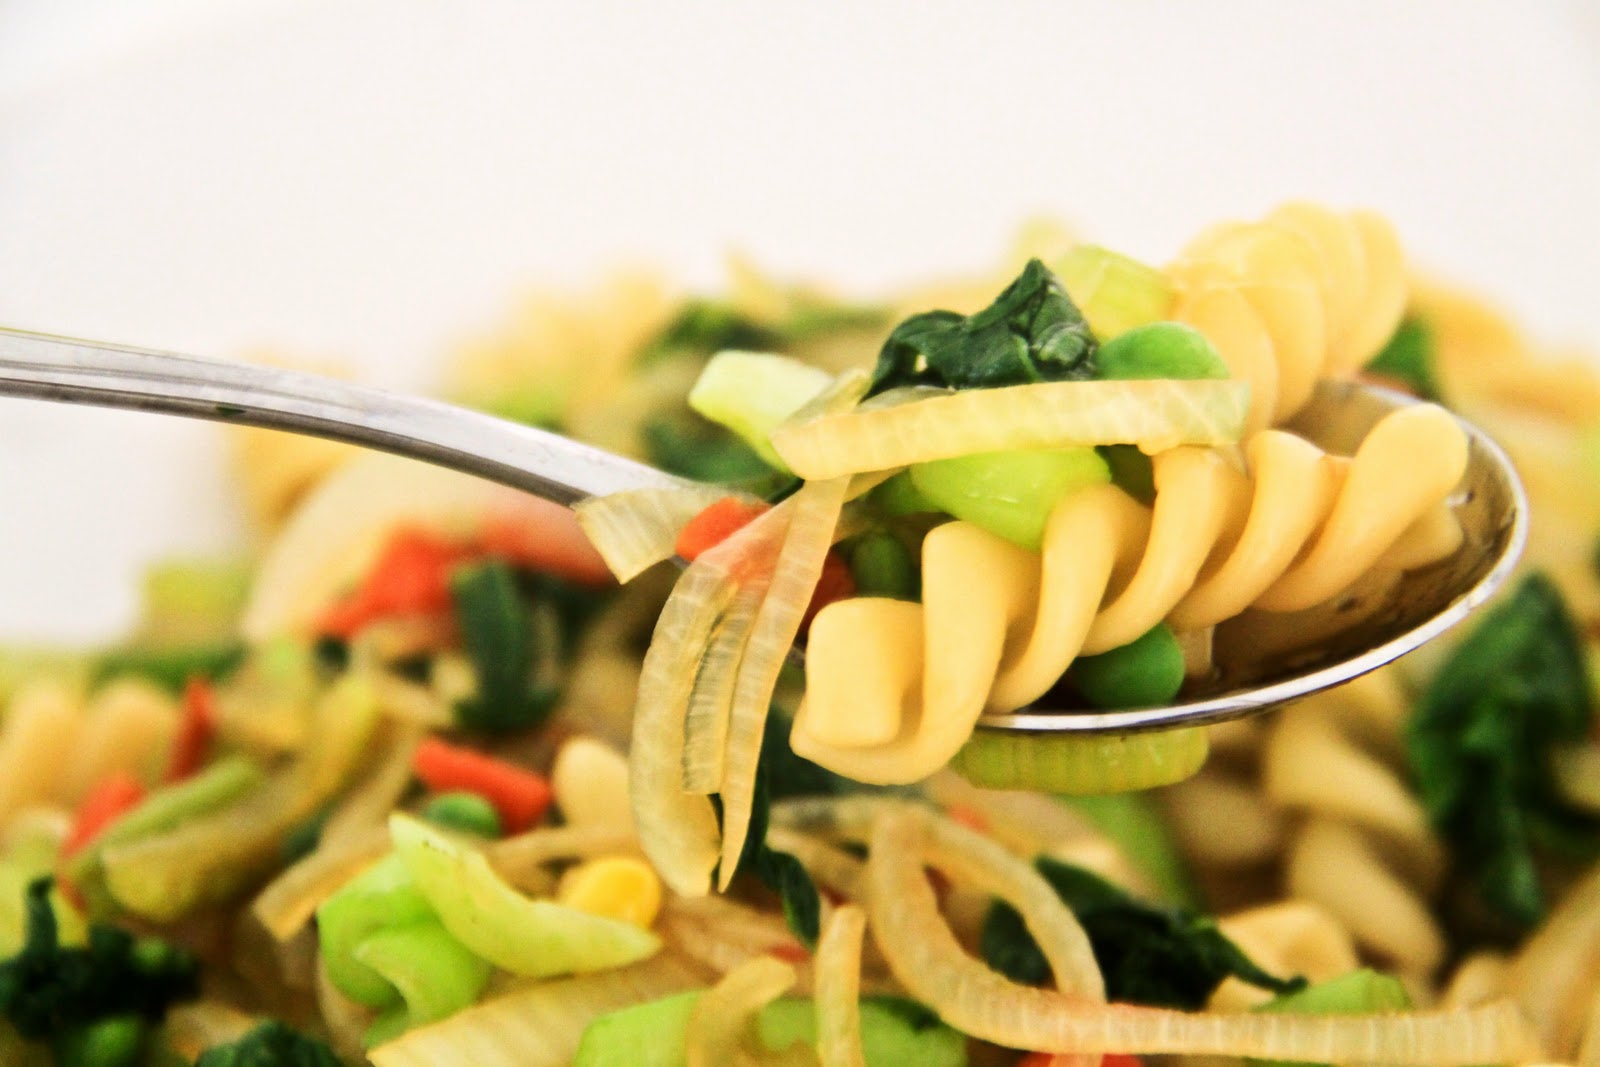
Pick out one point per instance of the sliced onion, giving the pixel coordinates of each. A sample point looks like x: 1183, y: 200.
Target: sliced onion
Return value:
x: 679, y: 830
x: 925, y: 955
x: 520, y: 860
x: 368, y: 805
x: 289, y: 900
x: 839, y: 989
x: 777, y: 624
x: 1097, y: 763
x: 705, y: 732
x: 1156, y: 415
x: 538, y: 1024
x: 347, y: 1021
x: 721, y: 1026
x: 721, y: 935
x: 835, y: 868
x: 638, y: 528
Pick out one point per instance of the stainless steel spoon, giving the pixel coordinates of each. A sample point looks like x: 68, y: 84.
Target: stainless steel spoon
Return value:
x: 1303, y: 653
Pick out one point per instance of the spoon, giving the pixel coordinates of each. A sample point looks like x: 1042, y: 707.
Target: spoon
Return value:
x: 1322, y: 649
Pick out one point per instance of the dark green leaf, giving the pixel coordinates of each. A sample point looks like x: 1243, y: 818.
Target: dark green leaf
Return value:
x: 704, y: 327
x: 1409, y: 357
x: 1170, y: 957
x: 497, y: 631
x: 272, y: 1044
x: 47, y: 989
x: 690, y: 446
x: 1482, y: 738
x: 1031, y: 333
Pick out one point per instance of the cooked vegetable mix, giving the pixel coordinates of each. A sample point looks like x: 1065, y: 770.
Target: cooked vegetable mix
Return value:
x: 421, y: 786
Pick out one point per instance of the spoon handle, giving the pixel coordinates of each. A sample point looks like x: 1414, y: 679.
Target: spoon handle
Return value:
x: 115, y: 376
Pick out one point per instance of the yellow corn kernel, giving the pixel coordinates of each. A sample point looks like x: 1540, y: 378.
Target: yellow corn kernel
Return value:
x: 616, y: 887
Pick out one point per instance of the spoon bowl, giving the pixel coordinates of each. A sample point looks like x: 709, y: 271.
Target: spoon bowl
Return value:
x: 1263, y: 661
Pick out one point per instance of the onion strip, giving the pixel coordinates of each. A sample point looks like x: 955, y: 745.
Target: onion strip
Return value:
x: 1156, y: 415
x: 925, y: 955
x: 539, y: 1024
x: 705, y: 733
x: 720, y: 1032
x: 839, y: 989
x: 287, y: 903
x: 638, y: 528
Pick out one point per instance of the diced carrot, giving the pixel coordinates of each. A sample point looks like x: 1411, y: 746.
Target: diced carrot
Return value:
x: 836, y: 583
x: 519, y: 795
x: 790, y: 952
x: 410, y: 577
x: 195, y: 730
x: 715, y: 524
x: 113, y: 797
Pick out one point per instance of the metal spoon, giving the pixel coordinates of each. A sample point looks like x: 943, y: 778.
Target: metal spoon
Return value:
x: 1309, y: 651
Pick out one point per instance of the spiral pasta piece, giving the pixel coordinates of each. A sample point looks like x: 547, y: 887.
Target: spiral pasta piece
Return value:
x: 1303, y: 294
x: 895, y: 688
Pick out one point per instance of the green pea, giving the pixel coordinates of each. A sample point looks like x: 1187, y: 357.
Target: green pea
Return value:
x: 467, y: 812
x: 113, y: 1042
x: 1146, y: 672
x: 900, y: 496
x: 1160, y: 350
x: 882, y: 565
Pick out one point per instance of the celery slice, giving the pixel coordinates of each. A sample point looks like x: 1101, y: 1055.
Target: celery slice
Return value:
x: 1010, y: 494
x: 1058, y: 763
x: 434, y: 974
x: 383, y: 897
x: 1155, y: 415
x: 752, y: 392
x: 1360, y: 992
x: 1114, y: 292
x: 1136, y: 826
x: 536, y: 938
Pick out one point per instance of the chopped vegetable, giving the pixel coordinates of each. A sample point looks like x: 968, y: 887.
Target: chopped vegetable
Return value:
x: 617, y: 887
x: 434, y: 974
x: 411, y: 576
x: 272, y: 1044
x: 1010, y: 494
x: 383, y: 897
x: 1409, y: 358
x: 115, y: 1042
x: 1098, y: 763
x: 715, y: 524
x: 752, y: 392
x: 107, y: 802
x: 497, y: 630
x: 882, y: 565
x: 900, y: 496
x: 1131, y: 471
x: 779, y: 871
x: 195, y: 730
x: 1160, y: 350
x: 465, y: 812
x: 1482, y: 739
x: 1115, y: 292
x: 1031, y: 333
x: 1147, y: 672
x: 1137, y: 827
x: 519, y: 795
x: 1148, y: 954
x: 692, y: 446
x: 170, y: 667
x: 638, y: 528
x: 48, y: 990
x: 1358, y: 991
x: 534, y: 938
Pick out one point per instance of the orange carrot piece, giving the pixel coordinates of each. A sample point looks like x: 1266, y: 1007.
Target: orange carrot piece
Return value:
x: 519, y: 795
x: 196, y: 730
x: 715, y: 524
x: 113, y: 797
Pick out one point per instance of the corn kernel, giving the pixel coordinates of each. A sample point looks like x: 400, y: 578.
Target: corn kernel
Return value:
x: 616, y: 887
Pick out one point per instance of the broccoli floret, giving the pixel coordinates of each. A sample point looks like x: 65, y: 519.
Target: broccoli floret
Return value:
x: 272, y: 1044
x: 50, y: 992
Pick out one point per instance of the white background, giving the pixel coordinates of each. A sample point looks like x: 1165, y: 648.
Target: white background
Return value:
x: 372, y: 179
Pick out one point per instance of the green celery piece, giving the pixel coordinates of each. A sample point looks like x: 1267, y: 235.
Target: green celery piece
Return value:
x: 1135, y: 825
x: 382, y: 897
x: 1146, y: 672
x: 210, y: 858
x: 1357, y: 993
x: 217, y: 786
x: 1010, y: 494
x: 900, y: 496
x: 1115, y: 292
x: 1160, y: 350
x: 170, y: 667
x: 894, y: 1032
x: 752, y: 392
x: 534, y: 938
x: 436, y: 975
x: 190, y: 600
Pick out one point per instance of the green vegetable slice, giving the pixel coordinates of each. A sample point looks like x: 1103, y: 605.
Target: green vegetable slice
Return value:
x: 535, y: 938
x: 1409, y: 356
x: 1149, y: 955
x: 1010, y: 494
x: 382, y: 897
x: 1161, y: 350
x: 434, y: 974
x: 1135, y: 825
x: 1060, y: 763
x: 751, y: 393
x: 1116, y: 293
x: 1482, y: 742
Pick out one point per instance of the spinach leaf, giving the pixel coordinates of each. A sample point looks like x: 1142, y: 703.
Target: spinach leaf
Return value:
x: 1481, y: 739
x: 1409, y: 356
x: 1170, y: 957
x: 271, y: 1044
x: 702, y: 327
x: 1033, y: 332
x: 688, y: 445
x: 48, y: 990
x: 779, y: 871
x: 497, y: 630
